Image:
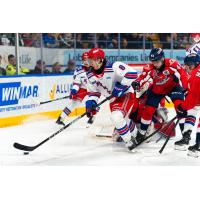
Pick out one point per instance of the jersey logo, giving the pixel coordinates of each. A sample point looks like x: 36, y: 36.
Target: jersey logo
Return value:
x: 166, y: 72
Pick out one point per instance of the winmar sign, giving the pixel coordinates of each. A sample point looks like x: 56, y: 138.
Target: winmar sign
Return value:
x: 11, y: 93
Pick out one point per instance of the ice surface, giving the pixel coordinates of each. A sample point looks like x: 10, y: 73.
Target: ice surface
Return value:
x: 75, y: 146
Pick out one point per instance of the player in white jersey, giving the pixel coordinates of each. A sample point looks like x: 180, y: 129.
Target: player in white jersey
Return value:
x: 195, y: 47
x: 112, y: 79
x: 78, y: 90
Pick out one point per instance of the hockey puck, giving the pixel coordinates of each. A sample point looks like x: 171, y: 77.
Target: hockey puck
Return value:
x: 26, y: 153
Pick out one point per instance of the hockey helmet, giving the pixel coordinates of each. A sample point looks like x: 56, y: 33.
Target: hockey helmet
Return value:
x: 96, y: 53
x: 85, y: 55
x: 192, y: 59
x: 156, y: 54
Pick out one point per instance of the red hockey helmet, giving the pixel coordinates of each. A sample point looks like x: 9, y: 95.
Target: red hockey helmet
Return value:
x: 195, y: 36
x: 96, y: 53
x: 85, y: 55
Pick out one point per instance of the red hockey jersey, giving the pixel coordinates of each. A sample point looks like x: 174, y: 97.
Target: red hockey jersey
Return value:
x: 193, y: 97
x: 164, y: 81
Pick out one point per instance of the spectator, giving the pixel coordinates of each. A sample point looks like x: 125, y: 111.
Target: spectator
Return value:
x: 36, y: 38
x: 71, y: 65
x: 165, y: 39
x: 2, y: 70
x: 5, y: 40
x: 87, y: 40
x: 79, y: 40
x: 114, y: 43
x: 11, y: 67
x: 50, y: 40
x: 56, y: 68
x: 27, y: 39
x: 124, y: 43
x: 135, y: 40
x: 38, y: 68
x: 66, y: 40
x: 155, y: 39
x: 91, y: 40
x: 181, y: 40
x: 105, y: 41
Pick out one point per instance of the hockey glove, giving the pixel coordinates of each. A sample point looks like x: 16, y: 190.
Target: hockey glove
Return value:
x: 73, y: 94
x: 136, y: 85
x: 119, y: 90
x: 91, y: 108
x: 181, y: 113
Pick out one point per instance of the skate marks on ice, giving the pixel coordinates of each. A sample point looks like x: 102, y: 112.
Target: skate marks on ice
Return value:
x: 76, y: 147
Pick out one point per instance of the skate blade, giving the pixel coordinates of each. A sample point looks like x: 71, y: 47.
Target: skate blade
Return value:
x: 193, y: 154
x: 180, y: 148
x: 132, y: 151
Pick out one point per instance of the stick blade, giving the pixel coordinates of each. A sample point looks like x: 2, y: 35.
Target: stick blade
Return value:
x: 23, y: 147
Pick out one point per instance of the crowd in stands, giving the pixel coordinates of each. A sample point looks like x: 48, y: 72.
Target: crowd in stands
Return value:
x: 40, y: 68
x: 102, y: 40
x: 85, y: 41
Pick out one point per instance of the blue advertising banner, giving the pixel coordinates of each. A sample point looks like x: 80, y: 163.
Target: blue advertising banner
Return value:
x: 127, y: 56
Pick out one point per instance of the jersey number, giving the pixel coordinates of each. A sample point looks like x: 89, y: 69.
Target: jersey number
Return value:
x: 122, y: 67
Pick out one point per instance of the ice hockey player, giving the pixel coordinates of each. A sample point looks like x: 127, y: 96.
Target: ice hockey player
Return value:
x: 114, y: 79
x: 169, y: 79
x: 191, y: 105
x: 195, y: 47
x: 160, y: 117
x: 78, y: 90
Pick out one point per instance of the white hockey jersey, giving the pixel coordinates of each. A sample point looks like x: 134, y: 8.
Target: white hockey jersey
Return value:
x: 104, y: 83
x: 195, y: 48
x: 80, y: 78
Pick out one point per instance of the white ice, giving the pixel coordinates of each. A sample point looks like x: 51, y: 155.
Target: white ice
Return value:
x: 75, y: 146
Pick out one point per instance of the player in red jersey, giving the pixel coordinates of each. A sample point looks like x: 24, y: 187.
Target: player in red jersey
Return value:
x: 169, y: 79
x: 191, y: 105
x: 160, y: 117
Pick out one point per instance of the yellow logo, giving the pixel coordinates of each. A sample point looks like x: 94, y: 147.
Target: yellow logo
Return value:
x: 52, y: 93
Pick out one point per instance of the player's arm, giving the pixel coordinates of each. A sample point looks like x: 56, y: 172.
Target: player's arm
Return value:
x: 77, y: 79
x: 193, y: 97
x: 93, y: 96
x: 179, y: 74
x: 143, y: 78
x: 127, y: 76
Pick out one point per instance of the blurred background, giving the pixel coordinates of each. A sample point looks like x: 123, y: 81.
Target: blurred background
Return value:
x: 54, y: 53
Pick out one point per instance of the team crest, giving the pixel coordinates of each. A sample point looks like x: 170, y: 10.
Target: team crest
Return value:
x: 166, y: 72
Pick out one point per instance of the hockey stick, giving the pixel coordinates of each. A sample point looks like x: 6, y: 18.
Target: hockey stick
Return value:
x: 167, y: 99
x: 167, y: 139
x: 66, y: 97
x: 156, y: 131
x: 44, y: 102
x: 31, y: 148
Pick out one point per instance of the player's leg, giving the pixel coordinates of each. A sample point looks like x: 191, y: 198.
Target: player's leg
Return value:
x: 195, y: 149
x: 152, y: 103
x: 188, y: 127
x: 132, y: 128
x: 67, y: 111
x: 177, y: 97
x: 119, y: 109
x: 73, y: 102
